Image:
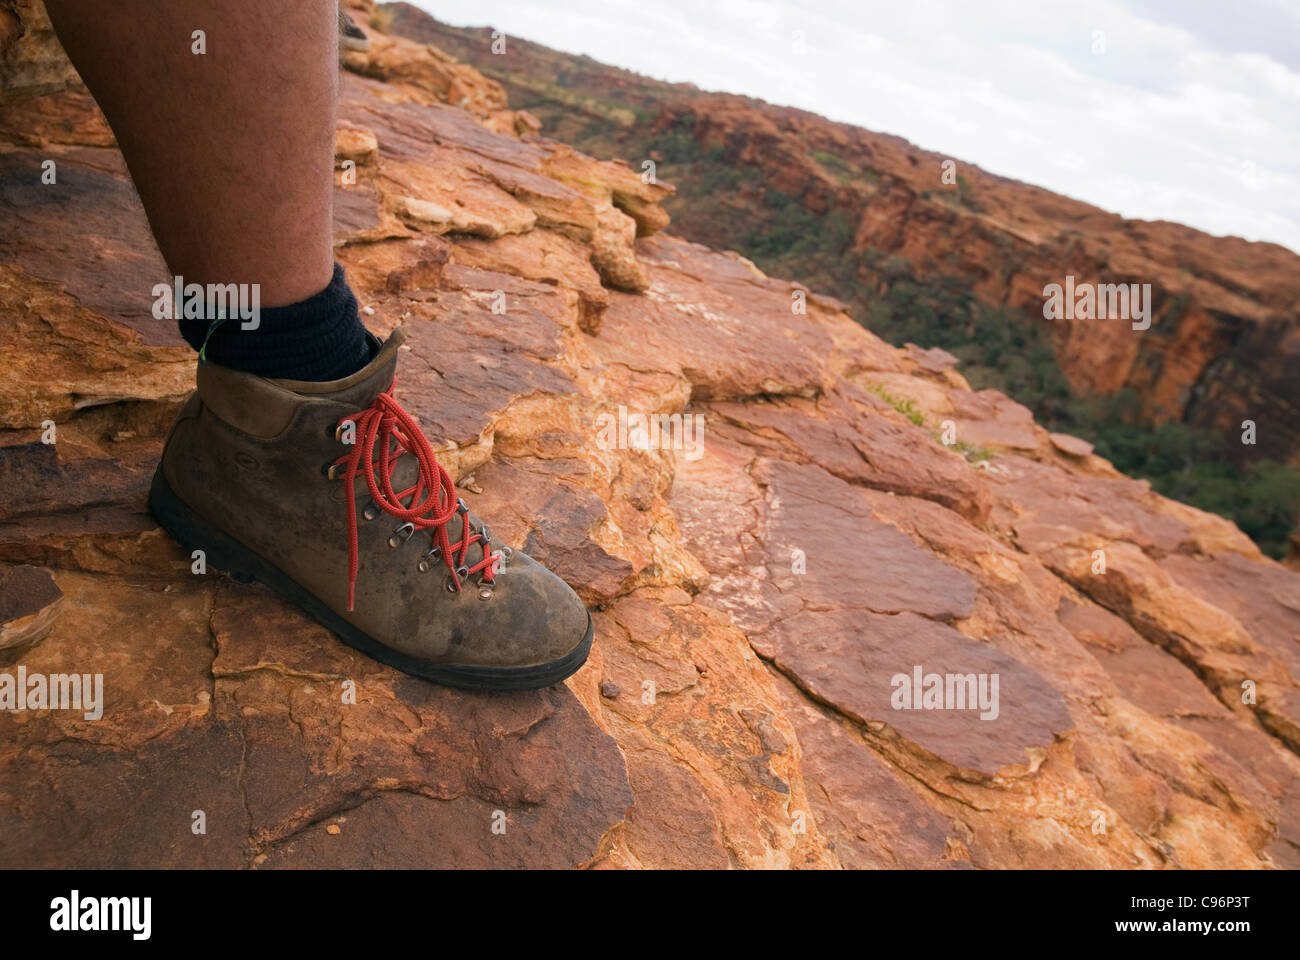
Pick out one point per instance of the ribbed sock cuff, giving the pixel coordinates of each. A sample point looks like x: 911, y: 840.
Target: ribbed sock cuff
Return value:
x: 320, y: 338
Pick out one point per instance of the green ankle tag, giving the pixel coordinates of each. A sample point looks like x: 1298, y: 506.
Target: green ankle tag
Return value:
x: 208, y: 336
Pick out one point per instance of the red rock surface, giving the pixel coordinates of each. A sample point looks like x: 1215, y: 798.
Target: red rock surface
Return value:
x: 30, y: 602
x: 1224, y: 344
x: 754, y: 595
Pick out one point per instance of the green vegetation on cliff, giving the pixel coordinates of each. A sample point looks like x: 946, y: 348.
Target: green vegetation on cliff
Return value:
x: 1006, y: 350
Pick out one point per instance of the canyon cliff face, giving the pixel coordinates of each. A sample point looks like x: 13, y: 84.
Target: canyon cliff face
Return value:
x: 1224, y: 341
x: 824, y: 515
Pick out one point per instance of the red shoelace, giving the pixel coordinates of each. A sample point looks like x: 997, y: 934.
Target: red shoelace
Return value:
x: 433, y: 501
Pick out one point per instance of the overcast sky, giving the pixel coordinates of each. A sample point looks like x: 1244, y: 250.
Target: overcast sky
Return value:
x: 1184, y: 110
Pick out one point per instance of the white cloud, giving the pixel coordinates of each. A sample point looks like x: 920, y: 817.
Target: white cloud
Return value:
x: 1185, y: 116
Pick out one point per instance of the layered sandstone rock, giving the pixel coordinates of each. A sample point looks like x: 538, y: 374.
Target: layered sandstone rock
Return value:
x: 822, y: 515
x: 1224, y: 341
x: 1224, y: 344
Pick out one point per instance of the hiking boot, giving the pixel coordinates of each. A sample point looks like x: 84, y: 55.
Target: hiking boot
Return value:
x: 330, y: 495
x: 351, y: 36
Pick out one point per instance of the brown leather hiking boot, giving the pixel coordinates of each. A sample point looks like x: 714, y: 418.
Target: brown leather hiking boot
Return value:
x: 330, y: 495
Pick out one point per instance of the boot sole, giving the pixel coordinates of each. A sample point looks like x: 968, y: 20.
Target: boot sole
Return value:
x: 223, y: 552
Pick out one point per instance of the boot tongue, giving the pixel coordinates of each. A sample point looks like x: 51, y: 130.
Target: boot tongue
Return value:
x: 360, y: 389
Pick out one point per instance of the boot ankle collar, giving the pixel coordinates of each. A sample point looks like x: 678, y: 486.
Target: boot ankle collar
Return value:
x: 264, y: 408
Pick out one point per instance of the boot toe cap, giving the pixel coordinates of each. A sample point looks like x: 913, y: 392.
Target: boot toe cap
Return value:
x: 546, y: 619
x: 529, y: 618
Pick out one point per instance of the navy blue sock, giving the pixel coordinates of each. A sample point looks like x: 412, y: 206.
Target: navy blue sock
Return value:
x: 320, y: 338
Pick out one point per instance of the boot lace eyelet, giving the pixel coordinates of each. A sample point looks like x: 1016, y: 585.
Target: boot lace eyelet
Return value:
x: 384, y: 434
x: 484, y: 593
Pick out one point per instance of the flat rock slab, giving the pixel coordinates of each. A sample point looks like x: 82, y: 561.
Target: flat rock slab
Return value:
x: 845, y: 433
x: 994, y: 419
x: 1048, y: 506
x: 862, y: 663
x: 284, y: 729
x: 843, y: 603
x: 67, y: 230
x: 872, y: 821
x: 1264, y: 597
x: 1074, y: 446
x: 704, y: 319
x: 465, y: 364
x: 849, y: 560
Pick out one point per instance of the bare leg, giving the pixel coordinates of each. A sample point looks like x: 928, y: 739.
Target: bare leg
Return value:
x: 232, y: 153
x: 231, y: 150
